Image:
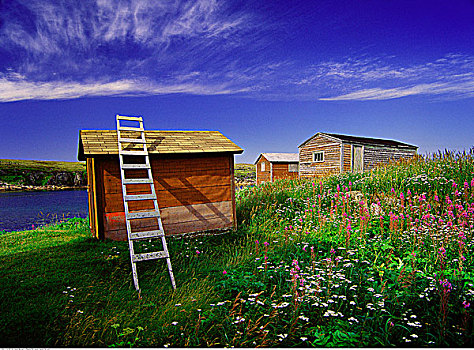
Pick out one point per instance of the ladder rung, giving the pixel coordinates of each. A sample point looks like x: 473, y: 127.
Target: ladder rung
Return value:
x: 147, y: 234
x: 133, y: 153
x: 137, y: 181
x: 124, y: 117
x: 135, y: 166
x: 131, y: 140
x: 139, y: 197
x: 149, y: 256
x: 130, y: 128
x: 143, y: 215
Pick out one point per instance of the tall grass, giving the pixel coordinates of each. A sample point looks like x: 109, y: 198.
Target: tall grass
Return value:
x: 375, y: 259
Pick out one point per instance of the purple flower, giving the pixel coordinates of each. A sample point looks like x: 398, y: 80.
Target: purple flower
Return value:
x: 466, y: 304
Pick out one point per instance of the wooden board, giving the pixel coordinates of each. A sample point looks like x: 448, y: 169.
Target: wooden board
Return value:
x: 332, y: 157
x: 176, y: 220
x: 347, y: 157
x: 280, y: 171
x: 374, y: 156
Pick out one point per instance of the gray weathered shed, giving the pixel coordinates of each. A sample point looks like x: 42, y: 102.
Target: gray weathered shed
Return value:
x: 327, y: 153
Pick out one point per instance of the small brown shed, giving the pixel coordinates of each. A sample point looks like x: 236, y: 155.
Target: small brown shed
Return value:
x: 326, y: 154
x: 193, y: 173
x: 273, y: 166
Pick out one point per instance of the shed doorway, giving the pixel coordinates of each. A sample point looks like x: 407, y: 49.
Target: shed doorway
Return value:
x: 358, y: 163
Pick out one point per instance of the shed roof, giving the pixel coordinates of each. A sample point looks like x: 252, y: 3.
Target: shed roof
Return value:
x: 103, y: 142
x: 279, y: 157
x: 364, y: 140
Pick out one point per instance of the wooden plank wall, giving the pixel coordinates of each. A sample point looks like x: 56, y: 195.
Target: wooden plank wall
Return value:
x: 332, y: 157
x: 347, y: 158
x: 374, y: 155
x: 263, y: 176
x: 280, y: 171
x: 194, y: 194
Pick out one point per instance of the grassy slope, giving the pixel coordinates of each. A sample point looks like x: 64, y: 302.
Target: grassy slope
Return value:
x: 41, y: 165
x: 40, y: 268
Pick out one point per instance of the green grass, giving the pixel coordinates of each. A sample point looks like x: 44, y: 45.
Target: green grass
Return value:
x: 41, y: 165
x: 329, y: 262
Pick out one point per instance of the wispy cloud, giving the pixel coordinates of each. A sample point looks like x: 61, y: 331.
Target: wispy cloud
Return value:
x: 19, y: 89
x: 451, y: 76
x: 64, y: 50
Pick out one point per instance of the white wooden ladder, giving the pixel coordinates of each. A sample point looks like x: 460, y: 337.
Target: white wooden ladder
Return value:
x: 137, y: 148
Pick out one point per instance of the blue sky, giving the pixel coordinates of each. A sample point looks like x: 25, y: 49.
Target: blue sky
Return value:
x: 267, y: 74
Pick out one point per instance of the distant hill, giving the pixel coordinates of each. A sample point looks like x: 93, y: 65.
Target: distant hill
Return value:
x: 23, y: 174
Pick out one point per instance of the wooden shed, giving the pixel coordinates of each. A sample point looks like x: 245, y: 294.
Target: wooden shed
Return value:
x: 272, y: 166
x: 193, y: 176
x: 326, y: 154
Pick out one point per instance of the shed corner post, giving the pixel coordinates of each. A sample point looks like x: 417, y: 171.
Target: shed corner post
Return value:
x: 232, y: 184
x: 256, y: 174
x: 92, y: 196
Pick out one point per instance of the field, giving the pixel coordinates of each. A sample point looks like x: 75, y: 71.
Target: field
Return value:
x: 244, y: 174
x: 375, y: 259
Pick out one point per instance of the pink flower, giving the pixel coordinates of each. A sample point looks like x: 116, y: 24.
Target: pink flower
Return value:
x: 466, y: 304
x: 224, y: 272
x: 198, y: 252
x: 266, y: 244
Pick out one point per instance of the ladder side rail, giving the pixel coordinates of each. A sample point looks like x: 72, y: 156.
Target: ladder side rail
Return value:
x: 151, y: 196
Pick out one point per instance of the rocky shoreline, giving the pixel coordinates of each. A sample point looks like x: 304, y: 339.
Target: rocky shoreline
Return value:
x: 6, y: 187
x: 33, y: 180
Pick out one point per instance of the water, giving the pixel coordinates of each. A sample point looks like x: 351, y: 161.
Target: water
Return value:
x: 21, y: 210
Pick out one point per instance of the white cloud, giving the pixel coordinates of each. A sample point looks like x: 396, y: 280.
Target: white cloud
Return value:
x: 20, y: 89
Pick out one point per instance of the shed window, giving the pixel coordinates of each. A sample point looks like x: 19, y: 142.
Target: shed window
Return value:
x: 318, y: 156
x: 292, y: 168
x: 262, y: 166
